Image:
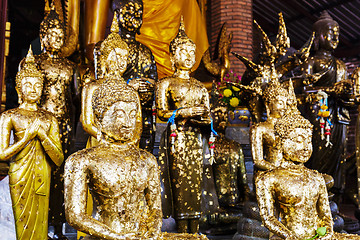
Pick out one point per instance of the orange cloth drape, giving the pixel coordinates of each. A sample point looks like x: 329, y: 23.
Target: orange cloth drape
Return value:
x: 161, y: 20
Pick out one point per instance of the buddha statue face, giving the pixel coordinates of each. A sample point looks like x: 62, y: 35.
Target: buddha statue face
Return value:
x: 119, y: 120
x: 297, y: 146
x: 329, y: 37
x: 327, y: 32
x: 130, y: 15
x: 53, y: 39
x: 184, y: 56
x: 116, y: 61
x: 31, y: 89
x: 277, y: 106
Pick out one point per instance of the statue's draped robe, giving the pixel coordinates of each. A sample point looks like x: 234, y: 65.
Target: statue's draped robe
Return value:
x: 29, y: 176
x: 329, y: 159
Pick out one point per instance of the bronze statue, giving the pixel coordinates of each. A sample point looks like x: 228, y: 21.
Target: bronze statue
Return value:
x: 36, y: 148
x: 293, y: 200
x: 324, y: 72
x: 141, y: 69
x: 122, y: 178
x: 185, y: 101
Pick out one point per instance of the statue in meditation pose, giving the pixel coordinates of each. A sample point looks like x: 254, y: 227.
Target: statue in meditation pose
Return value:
x: 293, y: 200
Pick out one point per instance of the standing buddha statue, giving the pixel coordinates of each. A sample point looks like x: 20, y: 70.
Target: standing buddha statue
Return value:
x: 141, y: 69
x: 58, y: 93
x: 185, y: 102
x: 35, y: 150
x: 324, y: 72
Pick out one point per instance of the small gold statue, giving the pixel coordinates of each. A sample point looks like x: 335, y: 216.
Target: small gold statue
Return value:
x: 293, y: 201
x: 141, y: 71
x: 36, y: 148
x: 326, y: 73
x: 185, y: 101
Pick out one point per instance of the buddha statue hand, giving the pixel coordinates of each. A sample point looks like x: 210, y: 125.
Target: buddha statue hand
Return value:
x: 193, y: 112
x: 33, y: 130
x: 142, y: 84
x: 343, y: 88
x: 145, y: 88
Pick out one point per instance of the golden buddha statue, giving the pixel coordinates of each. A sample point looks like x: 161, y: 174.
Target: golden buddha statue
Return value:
x: 185, y: 101
x: 122, y: 178
x: 36, y: 148
x: 58, y: 94
x: 141, y: 69
x: 262, y: 137
x: 324, y: 72
x: 293, y: 200
x: 113, y: 53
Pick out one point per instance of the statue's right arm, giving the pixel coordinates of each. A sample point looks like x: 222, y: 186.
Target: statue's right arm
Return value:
x: 76, y: 190
x: 257, y: 148
x: 7, y: 151
x: 265, y: 196
x: 87, y: 114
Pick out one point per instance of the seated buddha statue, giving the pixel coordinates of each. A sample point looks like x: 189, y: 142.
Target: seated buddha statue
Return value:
x: 35, y: 151
x: 113, y: 53
x: 122, y: 178
x: 293, y: 200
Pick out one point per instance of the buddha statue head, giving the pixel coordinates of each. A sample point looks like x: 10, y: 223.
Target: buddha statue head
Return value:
x: 117, y: 111
x: 293, y: 135
x: 130, y: 14
x: 182, y: 50
x: 275, y: 99
x: 114, y: 51
x: 52, y: 32
x: 29, y: 81
x: 326, y: 32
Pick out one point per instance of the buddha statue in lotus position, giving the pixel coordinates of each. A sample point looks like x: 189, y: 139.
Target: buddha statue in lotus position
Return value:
x: 265, y: 155
x: 185, y: 101
x: 122, y: 178
x: 293, y: 200
x: 35, y: 151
